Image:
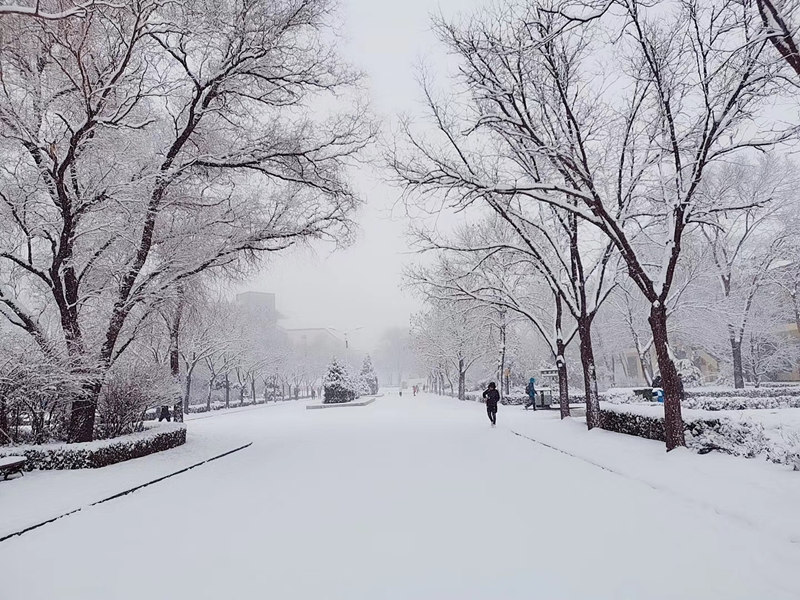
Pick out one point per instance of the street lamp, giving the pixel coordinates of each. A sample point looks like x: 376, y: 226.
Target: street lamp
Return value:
x: 345, y: 333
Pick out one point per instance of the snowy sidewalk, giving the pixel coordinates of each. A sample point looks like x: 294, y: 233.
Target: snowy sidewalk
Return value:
x: 755, y: 493
x: 406, y: 498
x: 42, y: 495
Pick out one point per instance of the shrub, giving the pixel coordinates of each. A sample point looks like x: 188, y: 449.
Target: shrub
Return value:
x: 741, y: 403
x: 763, y: 392
x: 92, y: 455
x: 745, y: 438
x: 338, y: 386
x: 369, y: 380
x: 515, y: 398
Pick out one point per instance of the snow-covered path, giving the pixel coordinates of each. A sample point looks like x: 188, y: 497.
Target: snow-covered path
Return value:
x: 410, y: 498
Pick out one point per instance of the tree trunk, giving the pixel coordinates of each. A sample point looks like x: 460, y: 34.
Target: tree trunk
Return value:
x: 670, y: 382
x: 796, y: 308
x: 589, y: 373
x: 174, y: 355
x: 613, y: 371
x: 81, y: 421
x: 501, y: 378
x: 461, y: 379
x: 253, y: 388
x: 187, y: 390
x: 208, y: 395
x: 82, y: 414
x: 227, y: 391
x: 563, y: 383
x: 4, y: 435
x: 738, y: 370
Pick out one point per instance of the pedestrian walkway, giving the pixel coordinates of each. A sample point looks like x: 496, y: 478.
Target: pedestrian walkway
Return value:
x: 407, y: 498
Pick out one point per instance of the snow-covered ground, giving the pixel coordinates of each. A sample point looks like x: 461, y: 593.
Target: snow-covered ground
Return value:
x: 412, y: 498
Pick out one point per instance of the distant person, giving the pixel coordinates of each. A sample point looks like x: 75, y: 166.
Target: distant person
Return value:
x: 530, y: 389
x: 164, y: 414
x: 491, y: 396
x: 401, y: 392
x: 658, y: 390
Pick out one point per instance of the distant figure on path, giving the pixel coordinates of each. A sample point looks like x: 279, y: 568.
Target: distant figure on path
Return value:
x: 164, y: 414
x: 530, y: 389
x: 492, y: 397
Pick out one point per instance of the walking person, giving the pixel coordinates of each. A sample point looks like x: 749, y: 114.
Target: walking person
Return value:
x: 491, y: 396
x: 530, y: 389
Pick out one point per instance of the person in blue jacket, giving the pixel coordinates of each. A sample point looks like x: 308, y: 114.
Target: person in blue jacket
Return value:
x: 530, y: 389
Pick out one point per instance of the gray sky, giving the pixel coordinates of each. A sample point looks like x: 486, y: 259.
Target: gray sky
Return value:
x: 360, y: 287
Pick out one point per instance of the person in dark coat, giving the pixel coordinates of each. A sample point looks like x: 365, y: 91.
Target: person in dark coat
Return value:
x: 491, y: 396
x: 530, y: 389
x: 164, y: 414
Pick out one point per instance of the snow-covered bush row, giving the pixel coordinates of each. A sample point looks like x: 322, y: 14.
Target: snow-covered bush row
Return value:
x: 739, y: 437
x: 741, y: 403
x: 716, y: 399
x: 100, y: 453
x: 632, y: 423
x: 509, y: 399
x: 152, y: 414
x: 762, y: 392
x: 515, y: 398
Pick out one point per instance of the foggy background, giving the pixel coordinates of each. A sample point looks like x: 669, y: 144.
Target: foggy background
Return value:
x: 359, y: 290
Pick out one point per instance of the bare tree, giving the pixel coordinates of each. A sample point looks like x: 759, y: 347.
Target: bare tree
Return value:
x: 541, y: 125
x: 449, y: 336
x: 53, y: 11
x: 746, y: 245
x: 152, y: 142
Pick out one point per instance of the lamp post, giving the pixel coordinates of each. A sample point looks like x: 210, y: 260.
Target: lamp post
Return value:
x: 346, y: 333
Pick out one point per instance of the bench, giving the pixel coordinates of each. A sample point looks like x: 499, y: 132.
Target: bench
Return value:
x: 11, y: 464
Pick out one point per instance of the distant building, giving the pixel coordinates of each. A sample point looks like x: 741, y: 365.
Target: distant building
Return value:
x: 319, y: 338
x: 260, y: 305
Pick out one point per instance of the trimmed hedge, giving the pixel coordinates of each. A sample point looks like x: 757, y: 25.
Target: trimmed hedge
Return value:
x: 760, y: 392
x: 512, y: 399
x: 741, y: 403
x: 100, y: 453
x: 734, y: 437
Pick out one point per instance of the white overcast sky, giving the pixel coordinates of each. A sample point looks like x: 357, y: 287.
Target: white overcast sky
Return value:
x: 361, y: 287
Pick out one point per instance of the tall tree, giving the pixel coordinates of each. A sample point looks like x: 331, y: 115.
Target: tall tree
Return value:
x: 154, y: 141
x: 531, y: 118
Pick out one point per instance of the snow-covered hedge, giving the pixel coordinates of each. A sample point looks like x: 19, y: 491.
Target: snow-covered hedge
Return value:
x: 740, y: 437
x: 100, y: 453
x: 717, y: 399
x: 515, y: 398
x: 761, y: 392
x: 741, y: 403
